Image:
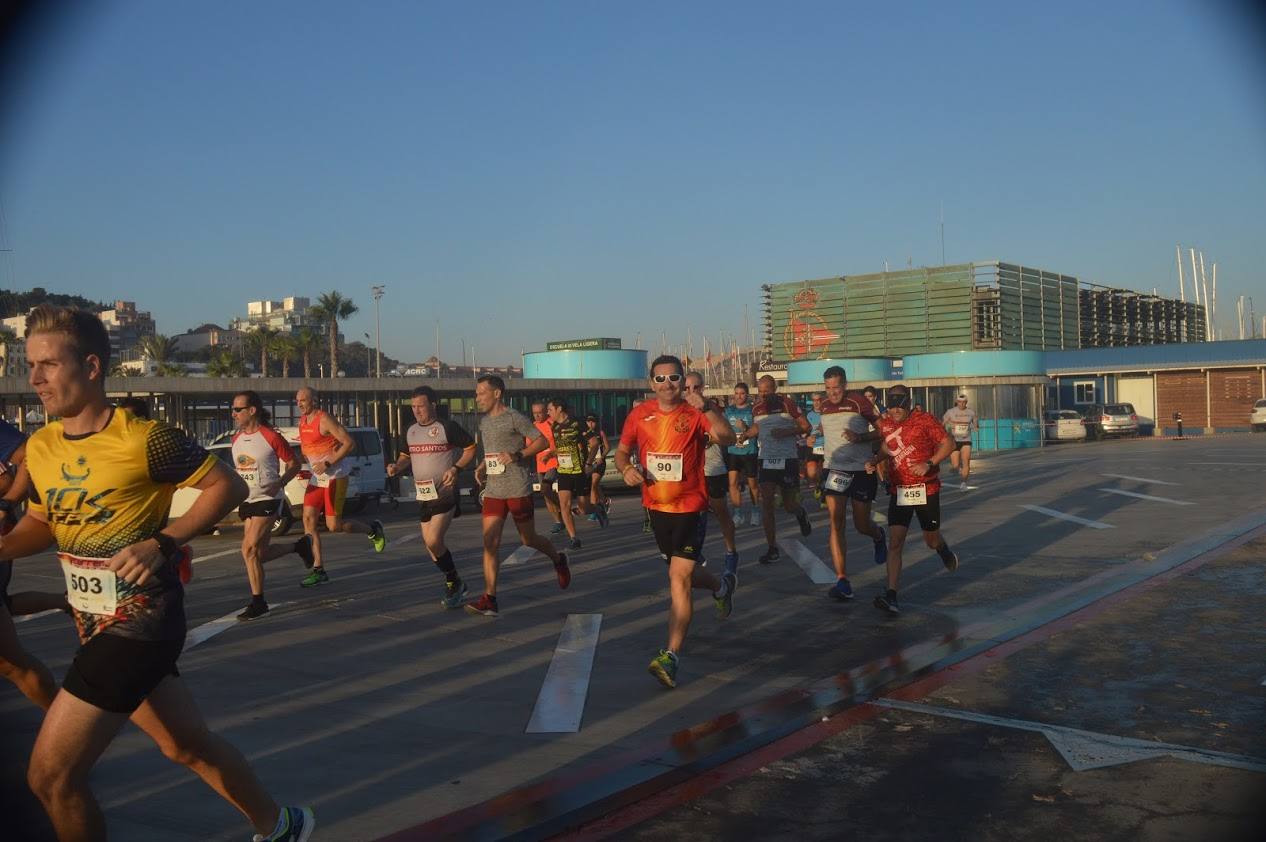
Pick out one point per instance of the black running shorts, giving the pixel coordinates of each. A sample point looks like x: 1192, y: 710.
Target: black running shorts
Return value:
x: 743, y: 463
x: 787, y: 476
x: 428, y: 509
x: 679, y: 534
x: 718, y: 486
x: 116, y: 673
x: 577, y: 484
x: 855, y: 485
x: 929, y: 513
x: 260, y: 508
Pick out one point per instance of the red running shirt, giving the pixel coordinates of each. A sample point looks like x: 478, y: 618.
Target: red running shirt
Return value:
x: 547, y: 430
x: 678, y: 438
x: 912, y: 441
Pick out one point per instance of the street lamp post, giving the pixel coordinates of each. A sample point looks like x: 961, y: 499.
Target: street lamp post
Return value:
x: 369, y: 369
x: 379, y: 291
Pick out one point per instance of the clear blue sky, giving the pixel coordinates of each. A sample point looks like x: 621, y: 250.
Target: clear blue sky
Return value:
x: 532, y: 171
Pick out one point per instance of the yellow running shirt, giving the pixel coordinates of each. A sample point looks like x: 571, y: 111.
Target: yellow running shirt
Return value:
x: 104, y: 491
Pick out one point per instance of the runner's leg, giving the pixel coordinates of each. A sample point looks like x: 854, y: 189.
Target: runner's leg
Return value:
x: 492, y: 545
x: 311, y: 528
x: 896, y: 540
x: 26, y: 672
x: 530, y: 538
x: 863, y: 522
x: 254, y: 547
x: 767, y: 491
x: 966, y: 469
x: 722, y: 513
x: 564, y: 506
x: 172, y: 720
x: 835, y: 512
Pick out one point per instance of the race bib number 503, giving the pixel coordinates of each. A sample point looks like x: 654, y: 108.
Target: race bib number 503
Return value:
x: 90, y: 586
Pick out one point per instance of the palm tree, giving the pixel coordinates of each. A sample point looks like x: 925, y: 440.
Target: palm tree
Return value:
x: 331, y: 308
x: 225, y: 363
x: 161, y: 350
x: 263, y: 340
x: 306, y: 342
x: 285, y: 348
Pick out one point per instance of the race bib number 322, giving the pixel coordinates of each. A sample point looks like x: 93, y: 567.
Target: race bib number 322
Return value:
x: 426, y: 489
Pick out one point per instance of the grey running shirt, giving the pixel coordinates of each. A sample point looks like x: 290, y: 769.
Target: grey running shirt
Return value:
x: 959, y: 422
x: 507, y: 433
x: 433, y: 449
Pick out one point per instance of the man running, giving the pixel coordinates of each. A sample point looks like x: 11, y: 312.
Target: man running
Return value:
x: 718, y: 485
x: 265, y: 462
x: 26, y: 671
x: 326, y: 444
x: 847, y: 419
x: 571, y: 447
x: 547, y: 465
x: 776, y: 421
x: 960, y: 422
x: 872, y: 395
x: 102, y: 482
x: 669, y: 433
x: 507, y: 487
x: 814, y: 453
x: 439, y: 450
x: 740, y: 458
x: 915, y: 445
x: 596, y: 466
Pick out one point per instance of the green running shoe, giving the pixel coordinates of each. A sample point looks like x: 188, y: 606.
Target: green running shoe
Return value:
x: 664, y: 668
x: 318, y: 576
x: 725, y: 603
x: 454, y: 594
x: 377, y: 536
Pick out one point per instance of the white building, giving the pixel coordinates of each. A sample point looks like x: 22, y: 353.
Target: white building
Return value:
x: 285, y: 316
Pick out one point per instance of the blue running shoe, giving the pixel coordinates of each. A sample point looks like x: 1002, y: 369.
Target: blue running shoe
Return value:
x: 841, y: 590
x: 881, y: 547
x: 295, y: 825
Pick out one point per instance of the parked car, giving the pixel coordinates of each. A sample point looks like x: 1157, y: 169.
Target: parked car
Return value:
x: 184, y: 497
x: 1258, y: 418
x: 1113, y: 419
x: 1064, y: 425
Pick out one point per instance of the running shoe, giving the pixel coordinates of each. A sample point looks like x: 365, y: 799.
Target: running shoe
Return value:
x: 303, y: 549
x: 881, y: 547
x: 253, y: 611
x: 771, y: 555
x: 318, y: 576
x: 740, y: 516
x: 841, y: 590
x: 731, y: 563
x: 606, y: 506
x: 802, y: 517
x: 295, y: 825
x: 592, y: 517
x: 817, y: 494
x: 563, y: 571
x: 377, y: 536
x: 725, y: 603
x: 755, y: 518
x: 887, y: 601
x: 454, y: 594
x: 556, y: 528
x: 485, y: 605
x: 963, y: 487
x: 602, y: 518
x: 664, y: 668
x: 951, y: 563
x: 573, y: 544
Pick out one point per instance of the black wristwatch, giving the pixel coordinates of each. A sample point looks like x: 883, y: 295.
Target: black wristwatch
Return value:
x: 167, y: 546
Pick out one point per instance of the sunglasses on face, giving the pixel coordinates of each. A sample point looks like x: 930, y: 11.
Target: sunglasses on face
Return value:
x: 671, y: 378
x: 240, y: 408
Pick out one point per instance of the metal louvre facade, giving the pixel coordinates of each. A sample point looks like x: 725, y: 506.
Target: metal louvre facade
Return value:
x: 965, y: 307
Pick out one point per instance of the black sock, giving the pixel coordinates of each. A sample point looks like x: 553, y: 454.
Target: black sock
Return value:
x: 446, y: 566
x: 891, y: 594
x: 944, y: 551
x: 258, y: 599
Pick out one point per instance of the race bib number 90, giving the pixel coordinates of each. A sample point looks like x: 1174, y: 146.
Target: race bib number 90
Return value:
x: 912, y: 495
x: 666, y: 467
x: 494, y: 465
x: 90, y: 588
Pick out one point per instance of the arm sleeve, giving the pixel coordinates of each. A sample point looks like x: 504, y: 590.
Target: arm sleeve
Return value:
x: 279, y: 445
x: 175, y: 458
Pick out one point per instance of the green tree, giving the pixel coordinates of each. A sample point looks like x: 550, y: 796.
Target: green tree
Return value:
x: 308, y: 342
x: 161, y: 350
x: 285, y: 349
x: 331, y: 308
x: 263, y: 341
x: 225, y: 363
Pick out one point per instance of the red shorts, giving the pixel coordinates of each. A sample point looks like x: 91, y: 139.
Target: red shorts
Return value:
x: 520, y: 508
x: 329, y: 498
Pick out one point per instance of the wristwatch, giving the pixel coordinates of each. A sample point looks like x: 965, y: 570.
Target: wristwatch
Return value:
x: 167, y: 546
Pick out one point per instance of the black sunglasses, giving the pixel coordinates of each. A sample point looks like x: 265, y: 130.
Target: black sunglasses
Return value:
x: 240, y: 408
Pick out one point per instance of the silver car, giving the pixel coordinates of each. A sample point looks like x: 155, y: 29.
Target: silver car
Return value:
x: 1258, y: 418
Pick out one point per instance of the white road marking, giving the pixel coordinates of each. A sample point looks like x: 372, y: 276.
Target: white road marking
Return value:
x: 206, y: 631
x: 407, y: 538
x: 1147, y: 497
x: 26, y: 617
x: 1084, y: 750
x: 560, y: 705
x: 1141, y: 479
x: 522, y: 555
x: 1093, y: 524
x: 201, y: 558
x: 817, y: 571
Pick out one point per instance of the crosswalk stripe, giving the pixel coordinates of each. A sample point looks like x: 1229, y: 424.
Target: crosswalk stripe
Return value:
x: 560, y: 706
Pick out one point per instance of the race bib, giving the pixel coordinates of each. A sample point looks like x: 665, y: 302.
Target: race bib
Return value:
x: 838, y: 481
x: 819, y: 450
x: 494, y: 465
x: 912, y: 495
x: 321, y: 480
x: 90, y: 588
x: 536, y: 486
x: 961, y: 430
x: 665, y: 466
x: 426, y: 489
x: 774, y: 464
x: 565, y: 461
x: 249, y: 477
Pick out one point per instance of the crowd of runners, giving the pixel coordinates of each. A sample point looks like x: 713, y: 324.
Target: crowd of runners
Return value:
x: 97, y: 485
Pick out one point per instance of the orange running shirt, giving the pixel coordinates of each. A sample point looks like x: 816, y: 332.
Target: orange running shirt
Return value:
x: 317, y: 445
x: 547, y: 430
x: 675, y: 442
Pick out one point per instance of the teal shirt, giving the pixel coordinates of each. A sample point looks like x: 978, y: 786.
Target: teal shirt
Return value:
x: 734, y: 414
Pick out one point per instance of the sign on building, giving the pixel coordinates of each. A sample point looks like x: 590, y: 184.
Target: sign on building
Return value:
x: 584, y: 345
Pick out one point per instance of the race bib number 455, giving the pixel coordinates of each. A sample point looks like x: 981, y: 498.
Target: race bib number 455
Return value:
x: 912, y: 495
x: 666, y: 467
x: 90, y: 587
